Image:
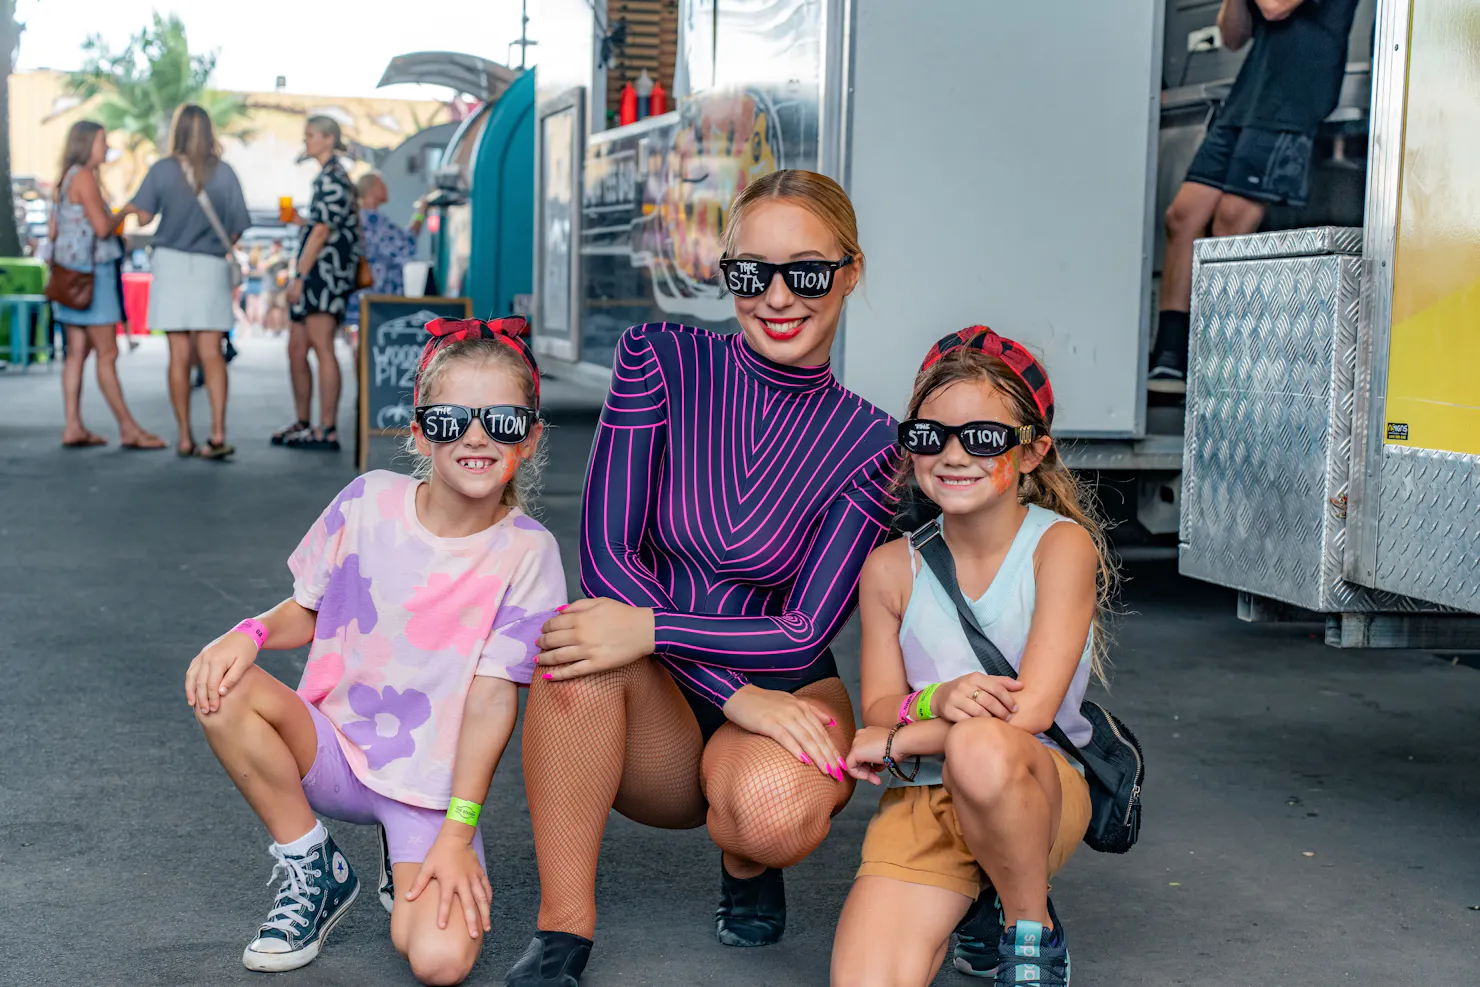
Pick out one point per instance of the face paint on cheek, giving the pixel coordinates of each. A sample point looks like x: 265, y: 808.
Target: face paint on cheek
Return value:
x: 1002, y: 475
x: 511, y: 466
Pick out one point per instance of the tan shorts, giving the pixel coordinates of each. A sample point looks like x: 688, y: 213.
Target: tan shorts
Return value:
x: 916, y: 837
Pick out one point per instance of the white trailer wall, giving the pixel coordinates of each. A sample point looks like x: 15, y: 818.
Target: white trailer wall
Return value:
x: 1001, y: 160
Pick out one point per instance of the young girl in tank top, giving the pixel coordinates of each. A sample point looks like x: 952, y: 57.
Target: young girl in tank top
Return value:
x: 981, y: 806
x: 420, y: 600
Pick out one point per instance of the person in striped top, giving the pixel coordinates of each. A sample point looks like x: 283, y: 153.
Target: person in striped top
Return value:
x: 735, y: 490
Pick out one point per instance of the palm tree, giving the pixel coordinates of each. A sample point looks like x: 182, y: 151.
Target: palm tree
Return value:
x: 10, y: 42
x: 145, y: 83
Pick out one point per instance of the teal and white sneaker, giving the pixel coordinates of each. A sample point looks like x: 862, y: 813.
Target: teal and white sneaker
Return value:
x: 387, y: 884
x: 977, y: 936
x: 1029, y: 957
x: 316, y: 893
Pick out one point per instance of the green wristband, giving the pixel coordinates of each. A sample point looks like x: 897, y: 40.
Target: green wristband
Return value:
x: 922, y: 705
x: 460, y: 810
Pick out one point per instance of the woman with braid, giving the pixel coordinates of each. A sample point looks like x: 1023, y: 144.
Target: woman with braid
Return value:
x: 735, y: 490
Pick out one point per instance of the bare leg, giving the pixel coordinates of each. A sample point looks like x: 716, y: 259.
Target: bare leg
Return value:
x: 919, y: 919
x: 179, y: 379
x: 321, y: 332
x: 1237, y: 216
x: 766, y: 808
x: 1005, y: 788
x: 105, y: 345
x: 298, y: 369
x: 265, y: 739
x: 623, y: 739
x: 213, y: 366
x: 1187, y: 219
x: 437, y: 956
x: 79, y: 345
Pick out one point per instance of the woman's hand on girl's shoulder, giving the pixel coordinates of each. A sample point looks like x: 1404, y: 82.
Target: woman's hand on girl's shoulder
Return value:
x: 593, y: 635
x: 218, y: 667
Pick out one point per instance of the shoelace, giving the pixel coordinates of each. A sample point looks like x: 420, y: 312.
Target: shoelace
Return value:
x: 294, y: 894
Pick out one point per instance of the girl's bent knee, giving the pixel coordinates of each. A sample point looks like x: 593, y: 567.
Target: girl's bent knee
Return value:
x: 438, y: 961
x: 983, y: 759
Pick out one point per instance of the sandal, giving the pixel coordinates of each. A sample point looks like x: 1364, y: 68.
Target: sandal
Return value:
x: 144, y: 442
x: 325, y: 441
x: 212, y: 450
x: 185, y: 450
x: 282, y: 435
x: 89, y: 440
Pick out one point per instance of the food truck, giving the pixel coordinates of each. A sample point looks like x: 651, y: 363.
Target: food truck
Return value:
x: 1010, y: 165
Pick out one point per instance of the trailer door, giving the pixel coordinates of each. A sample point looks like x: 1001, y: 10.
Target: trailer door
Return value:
x: 1001, y: 159
x: 1414, y: 522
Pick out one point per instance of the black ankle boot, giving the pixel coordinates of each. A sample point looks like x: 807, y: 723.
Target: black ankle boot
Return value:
x: 752, y: 911
x: 552, y: 959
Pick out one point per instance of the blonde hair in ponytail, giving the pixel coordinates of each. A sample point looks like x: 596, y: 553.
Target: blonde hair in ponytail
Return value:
x: 1051, y: 485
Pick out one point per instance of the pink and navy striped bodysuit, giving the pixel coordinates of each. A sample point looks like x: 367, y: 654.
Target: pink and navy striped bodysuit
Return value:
x: 738, y: 498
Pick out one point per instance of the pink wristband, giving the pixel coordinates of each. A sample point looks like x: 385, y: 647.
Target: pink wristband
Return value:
x: 253, y: 629
x: 906, y: 706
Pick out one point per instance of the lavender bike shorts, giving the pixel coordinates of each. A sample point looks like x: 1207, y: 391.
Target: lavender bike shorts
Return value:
x: 334, y: 791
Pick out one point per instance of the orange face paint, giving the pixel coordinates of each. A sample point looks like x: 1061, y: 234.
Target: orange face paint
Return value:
x: 511, y: 466
x: 1002, y: 471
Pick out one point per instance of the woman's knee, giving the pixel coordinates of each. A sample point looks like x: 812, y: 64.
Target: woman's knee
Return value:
x: 771, y: 811
x: 442, y: 958
x: 984, y: 759
x: 581, y: 699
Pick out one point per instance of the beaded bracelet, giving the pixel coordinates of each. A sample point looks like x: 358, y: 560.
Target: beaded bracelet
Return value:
x: 892, y: 764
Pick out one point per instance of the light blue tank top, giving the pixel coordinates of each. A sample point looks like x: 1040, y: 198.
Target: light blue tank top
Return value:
x: 936, y: 649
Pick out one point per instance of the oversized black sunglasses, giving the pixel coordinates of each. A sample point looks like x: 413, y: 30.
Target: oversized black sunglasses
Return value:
x: 508, y: 424
x: 926, y: 437
x: 805, y: 278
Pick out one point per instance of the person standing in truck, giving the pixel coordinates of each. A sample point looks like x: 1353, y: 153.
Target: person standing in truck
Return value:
x: 1257, y: 150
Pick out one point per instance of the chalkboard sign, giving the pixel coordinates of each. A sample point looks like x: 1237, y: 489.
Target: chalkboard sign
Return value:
x: 392, y: 333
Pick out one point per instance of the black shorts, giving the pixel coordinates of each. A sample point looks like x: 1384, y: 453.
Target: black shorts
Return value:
x: 1266, y: 165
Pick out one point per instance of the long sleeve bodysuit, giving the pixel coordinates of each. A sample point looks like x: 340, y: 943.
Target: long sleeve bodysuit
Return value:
x: 738, y: 498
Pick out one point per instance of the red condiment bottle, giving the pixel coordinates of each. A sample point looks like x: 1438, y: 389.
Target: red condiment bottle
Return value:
x: 659, y: 99
x: 627, y: 107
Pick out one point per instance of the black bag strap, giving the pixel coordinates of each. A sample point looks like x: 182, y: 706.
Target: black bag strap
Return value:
x: 932, y: 547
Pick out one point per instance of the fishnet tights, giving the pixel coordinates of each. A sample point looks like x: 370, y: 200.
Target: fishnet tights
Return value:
x: 626, y: 739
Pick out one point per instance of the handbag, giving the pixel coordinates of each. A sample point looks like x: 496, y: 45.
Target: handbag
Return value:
x: 364, y: 274
x: 1112, y: 759
x: 69, y: 288
x: 233, y: 269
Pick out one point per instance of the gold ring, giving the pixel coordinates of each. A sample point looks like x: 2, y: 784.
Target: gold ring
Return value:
x: 974, y: 694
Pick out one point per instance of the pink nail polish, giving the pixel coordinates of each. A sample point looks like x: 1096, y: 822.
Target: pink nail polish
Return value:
x: 805, y: 759
x: 548, y: 677
x: 842, y: 765
x: 832, y: 723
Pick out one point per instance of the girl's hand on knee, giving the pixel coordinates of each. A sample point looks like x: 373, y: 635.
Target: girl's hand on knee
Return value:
x: 976, y: 694
x: 453, y: 863
x: 595, y: 635
x: 217, y: 669
x: 796, y: 724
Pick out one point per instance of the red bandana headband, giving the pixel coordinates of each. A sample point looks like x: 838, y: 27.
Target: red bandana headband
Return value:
x: 1017, y: 358
x: 511, y: 331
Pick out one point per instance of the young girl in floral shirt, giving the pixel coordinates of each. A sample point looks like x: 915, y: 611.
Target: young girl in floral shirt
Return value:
x: 421, y: 600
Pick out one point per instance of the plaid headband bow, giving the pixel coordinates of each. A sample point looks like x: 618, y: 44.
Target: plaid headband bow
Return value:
x: 1017, y: 358
x: 511, y: 331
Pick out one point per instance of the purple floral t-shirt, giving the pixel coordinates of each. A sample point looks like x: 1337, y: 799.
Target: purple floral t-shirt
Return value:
x: 406, y: 619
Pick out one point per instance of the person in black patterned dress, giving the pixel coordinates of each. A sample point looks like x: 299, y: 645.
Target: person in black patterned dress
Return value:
x: 323, y: 278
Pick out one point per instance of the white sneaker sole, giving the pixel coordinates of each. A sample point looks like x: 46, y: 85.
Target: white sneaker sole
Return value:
x: 259, y: 962
x: 1166, y: 385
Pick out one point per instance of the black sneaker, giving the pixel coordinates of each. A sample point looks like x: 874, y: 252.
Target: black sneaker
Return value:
x: 1029, y: 957
x: 752, y: 911
x: 1168, y: 373
x: 977, y: 936
x: 316, y: 892
x: 552, y: 959
x: 387, y: 882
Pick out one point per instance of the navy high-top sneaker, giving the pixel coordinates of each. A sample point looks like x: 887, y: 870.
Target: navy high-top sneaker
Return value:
x: 317, y: 890
x: 977, y: 936
x: 1027, y: 956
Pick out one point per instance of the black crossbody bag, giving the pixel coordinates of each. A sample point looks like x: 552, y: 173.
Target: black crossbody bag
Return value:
x: 1112, y: 760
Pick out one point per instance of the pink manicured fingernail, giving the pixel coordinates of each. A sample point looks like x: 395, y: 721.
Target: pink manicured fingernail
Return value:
x: 561, y: 608
x: 842, y: 765
x: 832, y: 723
x: 805, y: 759
x: 548, y: 677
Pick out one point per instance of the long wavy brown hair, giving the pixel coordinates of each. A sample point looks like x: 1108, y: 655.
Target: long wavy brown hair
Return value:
x: 77, y: 150
x: 1051, y: 485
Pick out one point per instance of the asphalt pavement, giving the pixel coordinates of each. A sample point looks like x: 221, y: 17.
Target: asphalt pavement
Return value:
x: 1310, y: 814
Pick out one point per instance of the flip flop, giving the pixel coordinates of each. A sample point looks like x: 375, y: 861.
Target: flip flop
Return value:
x: 144, y: 446
x: 90, y: 442
x: 211, y: 450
